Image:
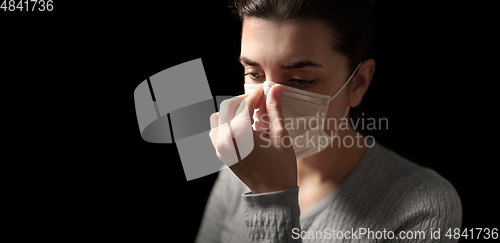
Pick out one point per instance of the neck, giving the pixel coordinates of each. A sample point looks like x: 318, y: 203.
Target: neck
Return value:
x: 333, y: 164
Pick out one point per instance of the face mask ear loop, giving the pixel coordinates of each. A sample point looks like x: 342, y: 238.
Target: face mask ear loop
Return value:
x: 349, y: 79
x: 345, y: 115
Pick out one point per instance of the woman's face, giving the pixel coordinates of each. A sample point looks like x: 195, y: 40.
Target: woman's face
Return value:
x: 297, y: 53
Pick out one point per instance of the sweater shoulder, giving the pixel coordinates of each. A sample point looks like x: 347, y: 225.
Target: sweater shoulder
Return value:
x: 419, y: 179
x: 416, y: 193
x: 387, y: 167
x: 432, y: 203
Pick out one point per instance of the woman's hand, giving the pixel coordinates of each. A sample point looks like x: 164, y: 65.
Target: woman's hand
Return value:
x: 271, y: 165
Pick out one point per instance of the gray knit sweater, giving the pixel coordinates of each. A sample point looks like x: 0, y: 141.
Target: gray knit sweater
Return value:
x: 385, y: 192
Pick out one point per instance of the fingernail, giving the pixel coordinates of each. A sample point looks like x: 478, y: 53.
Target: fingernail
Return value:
x: 213, y: 121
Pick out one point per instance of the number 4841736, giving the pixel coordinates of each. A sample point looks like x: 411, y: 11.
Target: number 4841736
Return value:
x: 27, y: 5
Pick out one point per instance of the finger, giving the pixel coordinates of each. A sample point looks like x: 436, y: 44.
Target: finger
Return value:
x: 225, y: 143
x: 228, y: 108
x: 275, y: 111
x: 261, y: 118
x: 222, y: 140
x: 241, y: 121
x: 223, y: 147
x: 241, y: 125
x: 214, y: 121
x: 242, y: 130
x: 214, y: 124
x: 251, y: 101
x: 244, y: 114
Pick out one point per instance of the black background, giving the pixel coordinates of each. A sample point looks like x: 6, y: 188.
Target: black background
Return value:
x: 435, y: 80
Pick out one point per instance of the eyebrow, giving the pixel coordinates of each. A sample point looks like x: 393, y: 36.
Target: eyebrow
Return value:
x: 291, y: 65
x: 248, y: 61
x: 300, y: 64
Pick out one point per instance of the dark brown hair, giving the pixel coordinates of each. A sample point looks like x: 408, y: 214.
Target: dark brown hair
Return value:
x: 352, y: 21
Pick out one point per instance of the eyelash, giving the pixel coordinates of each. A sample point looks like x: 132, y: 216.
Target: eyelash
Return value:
x: 300, y: 82
x: 251, y: 75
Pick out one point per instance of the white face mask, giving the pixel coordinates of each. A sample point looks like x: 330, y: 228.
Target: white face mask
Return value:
x: 304, y: 115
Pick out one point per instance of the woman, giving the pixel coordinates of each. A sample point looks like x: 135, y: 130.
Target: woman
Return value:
x: 306, y: 63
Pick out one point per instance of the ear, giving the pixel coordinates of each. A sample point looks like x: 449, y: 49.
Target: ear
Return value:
x: 361, y: 81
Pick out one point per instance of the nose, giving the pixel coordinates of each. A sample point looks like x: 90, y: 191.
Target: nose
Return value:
x: 267, y: 85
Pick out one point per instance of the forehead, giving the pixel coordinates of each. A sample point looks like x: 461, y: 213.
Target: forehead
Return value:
x: 304, y: 38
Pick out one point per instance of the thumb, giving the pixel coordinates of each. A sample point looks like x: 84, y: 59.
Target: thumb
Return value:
x: 275, y: 111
